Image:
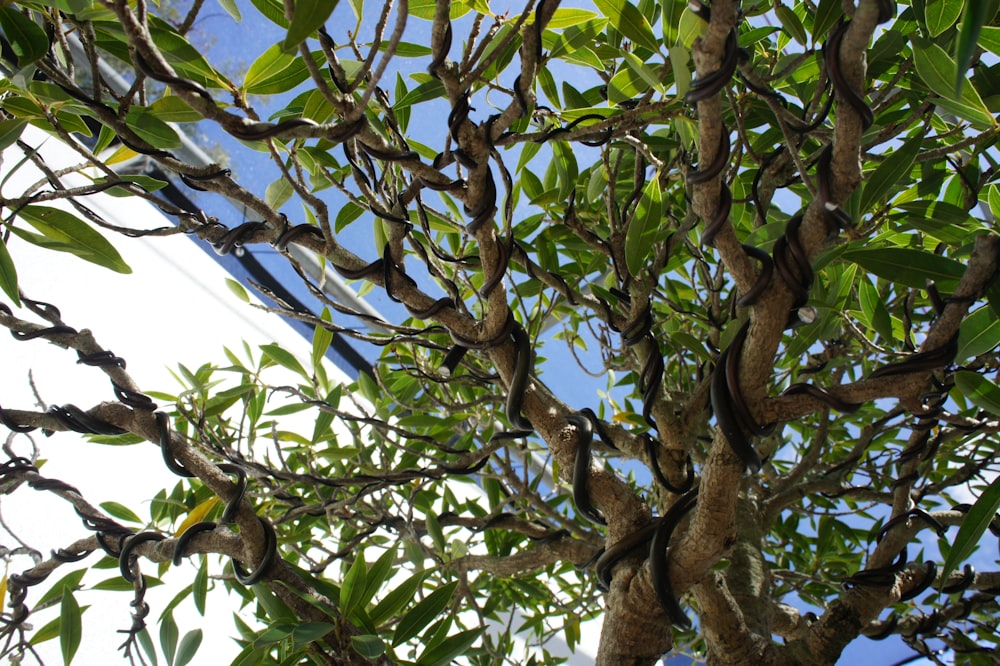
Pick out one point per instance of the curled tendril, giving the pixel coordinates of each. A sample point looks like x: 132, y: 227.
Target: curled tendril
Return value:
x: 581, y: 467
x: 126, y: 561
x: 659, y: 562
x: 270, y: 552
x: 728, y: 409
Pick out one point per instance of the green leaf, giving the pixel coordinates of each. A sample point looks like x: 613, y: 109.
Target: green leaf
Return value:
x: 630, y: 22
x: 939, y: 15
x: 827, y: 14
x: 454, y: 646
x: 119, y: 584
x: 993, y: 198
x: 8, y: 274
x: 146, y: 642
x: 322, y: 338
x: 938, y: 71
x: 908, y: 266
x: 880, y: 183
x: 989, y: 39
x: 273, y: 10
x: 145, y: 182
x: 434, y: 531
x: 278, y: 193
x: 274, y: 72
x: 691, y: 28
x: 875, y: 310
x: 940, y: 220
x: 283, y: 358
x: 423, y: 613
x: 238, y: 290
x: 121, y: 512
x: 379, y: 572
x: 307, y: 18
x: 199, y: 588
x: 168, y: 637
x: 976, y: 522
x: 564, y: 17
x: 424, y: 92
x: 968, y: 39
x: 68, y: 582
x: 347, y: 214
x: 670, y: 17
x: 49, y: 631
x: 232, y: 9
x: 792, y: 24
x: 70, y: 627
x: 310, y: 631
x: 10, y: 131
x: 353, y: 588
x: 27, y: 39
x: 75, y: 236
x: 679, y: 60
x: 645, y: 72
x: 148, y: 126
x: 172, y: 109
x: 425, y: 9
x: 642, y: 231
x: 368, y: 646
x: 626, y: 85
x: 188, y: 647
x: 978, y: 334
x: 979, y: 390
x: 274, y: 633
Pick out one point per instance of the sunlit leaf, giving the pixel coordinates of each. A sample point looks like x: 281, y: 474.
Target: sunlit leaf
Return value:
x: 978, y: 334
x: 284, y: 358
x: 278, y: 193
x: 197, y: 514
x: 974, y: 526
x: 71, y: 234
x: 981, y: 391
x: 121, y: 512
x: 938, y: 71
x: 940, y: 15
x: 307, y: 18
x: 273, y: 10
x: 151, y: 129
x: 630, y: 22
x: 232, y: 9
x: 644, y: 226
x: 274, y: 72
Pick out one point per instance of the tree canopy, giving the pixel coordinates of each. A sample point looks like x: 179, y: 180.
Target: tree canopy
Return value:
x: 691, y: 328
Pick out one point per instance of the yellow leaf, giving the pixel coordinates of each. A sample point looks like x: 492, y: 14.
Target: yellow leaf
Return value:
x: 123, y: 154
x: 3, y: 590
x: 197, y: 514
x: 626, y: 417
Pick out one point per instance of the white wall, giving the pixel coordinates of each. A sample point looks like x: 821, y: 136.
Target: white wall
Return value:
x: 174, y: 308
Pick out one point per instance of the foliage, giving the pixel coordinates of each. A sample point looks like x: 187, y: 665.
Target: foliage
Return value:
x: 792, y: 336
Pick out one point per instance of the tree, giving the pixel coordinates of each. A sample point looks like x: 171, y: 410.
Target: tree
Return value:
x: 769, y: 232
